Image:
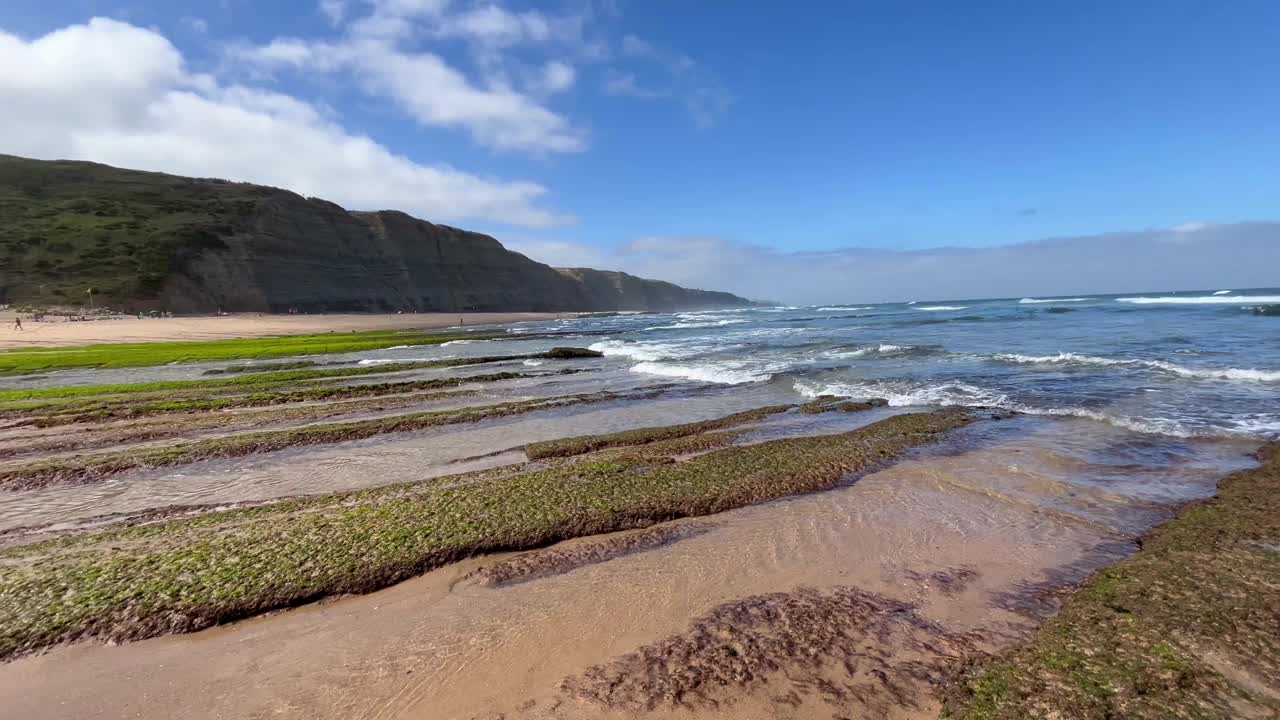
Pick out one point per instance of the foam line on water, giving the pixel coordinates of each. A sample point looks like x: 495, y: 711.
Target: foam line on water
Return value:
x: 1214, y: 299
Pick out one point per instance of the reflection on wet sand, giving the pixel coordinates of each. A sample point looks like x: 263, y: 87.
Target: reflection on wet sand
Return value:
x: 847, y: 603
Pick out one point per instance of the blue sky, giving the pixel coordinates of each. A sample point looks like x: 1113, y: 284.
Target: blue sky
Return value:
x: 574, y: 129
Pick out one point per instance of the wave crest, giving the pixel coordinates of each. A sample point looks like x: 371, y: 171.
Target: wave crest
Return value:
x: 1214, y: 299
x: 1068, y: 358
x: 721, y: 373
x: 902, y: 393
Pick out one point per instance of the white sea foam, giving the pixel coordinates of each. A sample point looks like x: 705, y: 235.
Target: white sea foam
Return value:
x: 1067, y: 358
x: 1262, y: 426
x: 723, y: 372
x: 904, y: 393
x: 881, y: 349
x: 399, y: 347
x: 687, y: 325
x: 840, y: 308
x: 634, y: 350
x: 1214, y: 299
x: 459, y: 342
x: 909, y: 394
x: 533, y: 363
x: 935, y: 308
x: 386, y: 361
x: 1039, y: 301
x: 1223, y: 292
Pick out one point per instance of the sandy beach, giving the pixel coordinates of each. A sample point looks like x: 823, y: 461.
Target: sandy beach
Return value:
x: 58, y: 332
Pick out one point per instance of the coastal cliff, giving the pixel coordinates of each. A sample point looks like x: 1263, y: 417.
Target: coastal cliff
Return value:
x: 143, y: 240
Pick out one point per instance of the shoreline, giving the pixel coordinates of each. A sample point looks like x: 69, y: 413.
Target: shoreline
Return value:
x: 60, y: 332
x: 282, y: 502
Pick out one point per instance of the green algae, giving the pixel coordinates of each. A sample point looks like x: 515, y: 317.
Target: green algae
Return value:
x: 20, y: 362
x: 123, y: 409
x: 91, y: 468
x: 8, y: 398
x: 1187, y: 628
x: 568, y: 447
x: 186, y: 574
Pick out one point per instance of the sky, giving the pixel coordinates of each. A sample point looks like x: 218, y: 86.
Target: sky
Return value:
x: 712, y: 143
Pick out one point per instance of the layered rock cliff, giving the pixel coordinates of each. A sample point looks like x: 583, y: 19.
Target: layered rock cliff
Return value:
x: 148, y: 240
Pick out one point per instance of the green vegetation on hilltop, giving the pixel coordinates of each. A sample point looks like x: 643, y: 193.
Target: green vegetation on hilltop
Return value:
x: 186, y: 574
x: 1189, y: 628
x: 66, y: 227
x: 151, y: 241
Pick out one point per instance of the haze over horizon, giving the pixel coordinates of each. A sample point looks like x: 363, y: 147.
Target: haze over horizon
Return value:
x: 851, y: 155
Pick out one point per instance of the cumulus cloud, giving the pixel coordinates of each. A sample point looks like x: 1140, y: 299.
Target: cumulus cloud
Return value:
x: 116, y: 93
x: 1238, y: 255
x: 379, y: 52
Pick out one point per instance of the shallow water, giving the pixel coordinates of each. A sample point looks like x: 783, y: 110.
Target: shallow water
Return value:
x: 1180, y: 364
x: 970, y: 533
x: 1133, y: 407
x: 1185, y: 364
x: 380, y: 460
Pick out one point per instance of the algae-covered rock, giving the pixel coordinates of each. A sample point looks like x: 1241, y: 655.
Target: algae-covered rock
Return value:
x: 570, y: 353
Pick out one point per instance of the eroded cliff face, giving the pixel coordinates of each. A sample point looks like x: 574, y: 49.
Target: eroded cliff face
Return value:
x: 206, y: 245
x: 316, y: 257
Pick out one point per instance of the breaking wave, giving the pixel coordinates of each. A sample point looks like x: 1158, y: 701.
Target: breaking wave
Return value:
x: 1038, y: 301
x: 728, y: 372
x: 935, y: 308
x: 687, y: 325
x: 881, y: 349
x: 1067, y: 358
x: 905, y: 393
x: 1214, y: 299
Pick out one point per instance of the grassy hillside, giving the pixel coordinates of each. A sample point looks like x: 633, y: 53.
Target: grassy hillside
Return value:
x: 66, y: 227
x: 143, y: 240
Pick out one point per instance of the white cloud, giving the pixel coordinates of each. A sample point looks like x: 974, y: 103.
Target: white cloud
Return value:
x: 198, y: 25
x: 435, y: 94
x: 333, y: 10
x: 281, y: 51
x: 493, y: 25
x: 621, y: 83
x: 112, y: 92
x: 632, y: 45
x: 1239, y: 255
x: 557, y: 76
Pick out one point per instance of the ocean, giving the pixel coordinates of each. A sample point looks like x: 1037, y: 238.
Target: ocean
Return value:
x: 1185, y: 364
x: 858, y: 596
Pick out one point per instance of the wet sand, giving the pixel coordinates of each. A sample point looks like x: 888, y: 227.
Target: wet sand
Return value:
x: 846, y: 603
x: 56, y: 332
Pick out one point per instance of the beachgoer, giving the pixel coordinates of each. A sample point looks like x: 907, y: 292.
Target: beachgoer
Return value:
x: 17, y: 324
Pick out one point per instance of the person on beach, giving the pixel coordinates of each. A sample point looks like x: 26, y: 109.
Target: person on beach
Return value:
x: 17, y: 324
